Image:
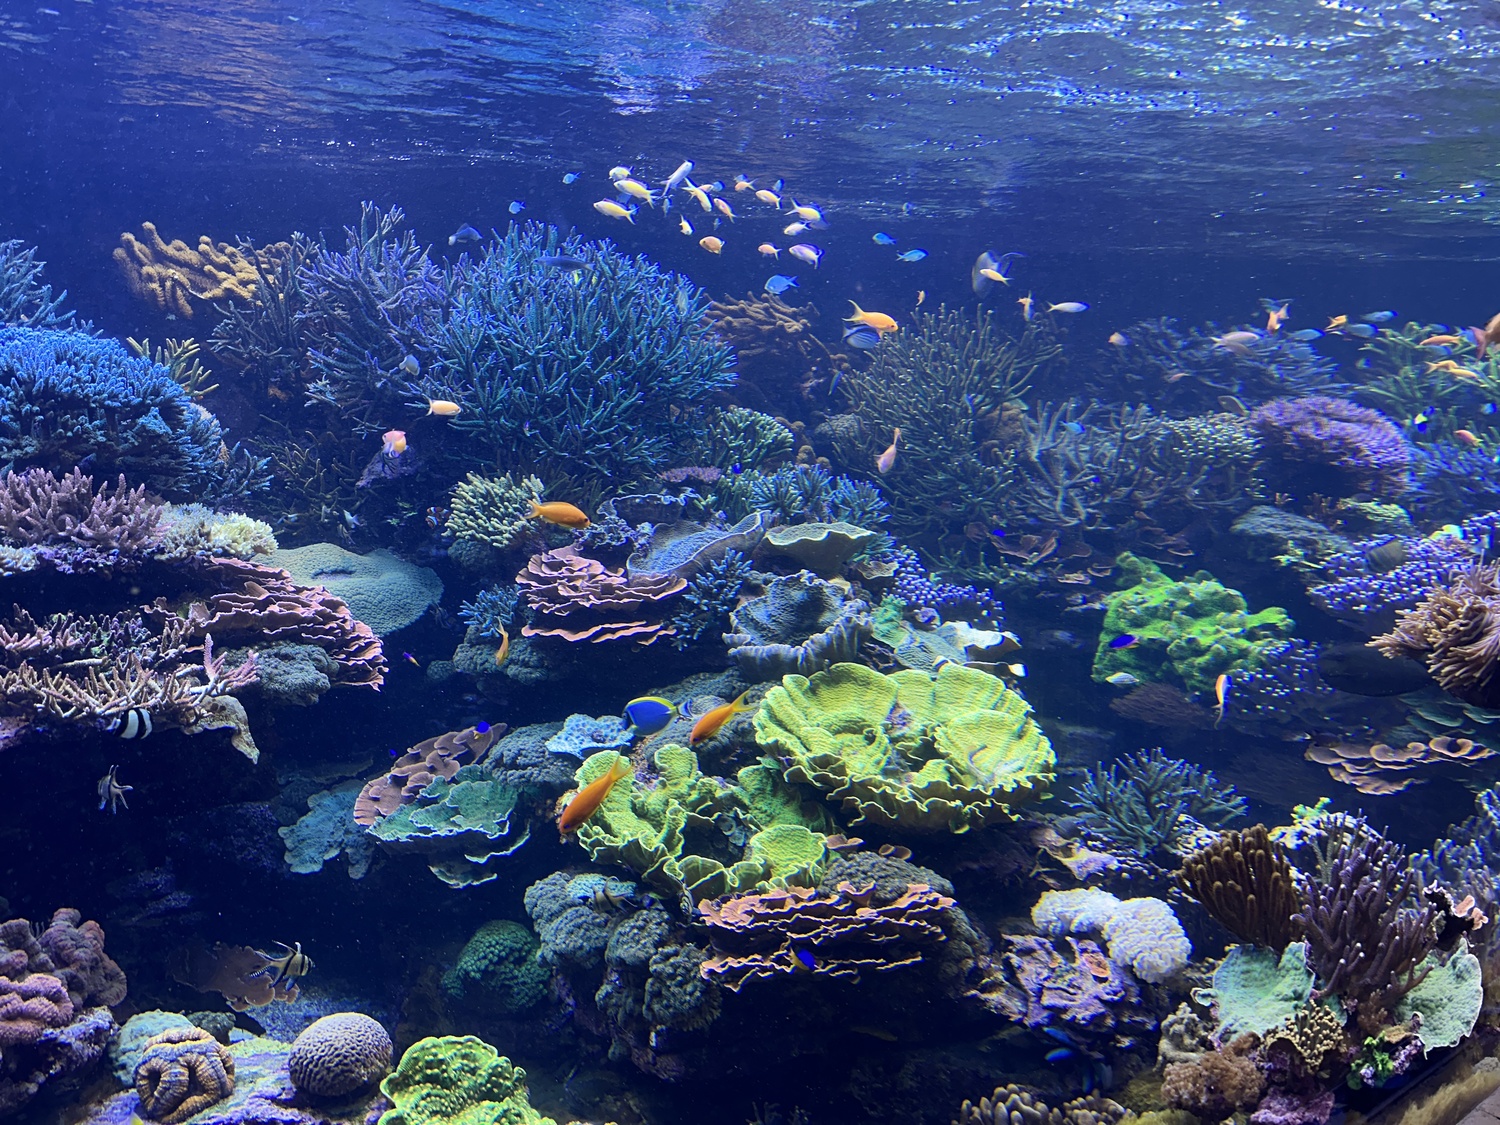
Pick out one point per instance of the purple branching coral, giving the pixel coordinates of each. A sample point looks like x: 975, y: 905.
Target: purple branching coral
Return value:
x: 1331, y: 446
x: 67, y: 516
x: 1367, y: 586
x: 1363, y: 943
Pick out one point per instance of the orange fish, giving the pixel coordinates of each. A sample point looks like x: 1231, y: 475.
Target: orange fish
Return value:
x: 1440, y: 340
x: 712, y: 721
x: 711, y: 244
x: 881, y: 322
x: 442, y: 407
x: 1221, y: 695
x: 1275, y: 318
x: 887, y: 460
x: 395, y: 442
x: 560, y: 513
x: 1468, y: 437
x: 588, y: 799
x: 504, y: 650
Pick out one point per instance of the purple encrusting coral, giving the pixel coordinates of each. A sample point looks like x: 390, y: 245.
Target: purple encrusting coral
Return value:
x: 1364, y: 595
x: 1331, y: 446
x: 917, y: 587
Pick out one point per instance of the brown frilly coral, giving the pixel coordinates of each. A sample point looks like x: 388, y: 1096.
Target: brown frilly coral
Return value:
x: 1245, y: 883
x: 1455, y: 629
x: 580, y: 599
x: 1217, y: 1084
x: 411, y: 773
x: 1379, y: 770
x: 182, y: 1071
x: 171, y: 275
x: 1016, y: 1105
x: 780, y: 359
x: 757, y: 937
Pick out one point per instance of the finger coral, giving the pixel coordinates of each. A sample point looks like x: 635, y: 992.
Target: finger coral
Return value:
x: 171, y: 275
x: 1245, y: 883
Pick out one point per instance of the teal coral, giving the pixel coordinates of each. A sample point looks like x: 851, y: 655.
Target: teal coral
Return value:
x: 1254, y: 991
x: 748, y: 438
x: 493, y: 510
x: 1444, y: 1006
x: 383, y: 591
x: 462, y: 826
x: 327, y: 829
x: 499, y: 968
x: 1190, y: 631
x: 457, y: 1080
x: 950, y: 752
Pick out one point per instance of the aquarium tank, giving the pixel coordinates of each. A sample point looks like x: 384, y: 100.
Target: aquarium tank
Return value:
x: 926, y: 562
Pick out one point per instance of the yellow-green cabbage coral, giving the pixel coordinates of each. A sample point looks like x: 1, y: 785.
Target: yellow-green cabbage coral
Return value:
x: 951, y: 751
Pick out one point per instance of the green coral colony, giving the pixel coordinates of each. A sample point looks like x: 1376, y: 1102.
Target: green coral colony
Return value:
x: 707, y: 777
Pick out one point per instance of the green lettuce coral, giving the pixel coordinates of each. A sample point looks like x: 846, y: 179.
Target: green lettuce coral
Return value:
x: 457, y: 1080
x: 1189, y: 631
x: 947, y: 752
x: 645, y: 824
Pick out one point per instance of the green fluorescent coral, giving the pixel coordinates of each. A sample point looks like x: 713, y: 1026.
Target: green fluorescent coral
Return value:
x: 644, y: 824
x: 1189, y: 631
x: 493, y: 510
x: 499, y: 968
x: 457, y: 1080
x: 949, y: 752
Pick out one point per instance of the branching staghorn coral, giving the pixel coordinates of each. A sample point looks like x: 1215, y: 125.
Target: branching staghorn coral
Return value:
x: 25, y: 302
x: 494, y: 510
x: 600, y: 377
x: 265, y: 339
x: 1140, y: 802
x: 947, y: 385
x: 40, y: 510
x: 180, y: 358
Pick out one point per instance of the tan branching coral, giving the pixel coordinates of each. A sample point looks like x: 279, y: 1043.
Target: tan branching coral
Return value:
x: 411, y: 773
x: 1455, y: 629
x: 581, y: 599
x: 1380, y: 770
x: 1245, y: 883
x: 182, y: 1071
x: 171, y: 275
x: 758, y: 937
x: 780, y: 358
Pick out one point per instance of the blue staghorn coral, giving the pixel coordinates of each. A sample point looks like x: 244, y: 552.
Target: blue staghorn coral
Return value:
x: 70, y: 399
x: 25, y: 301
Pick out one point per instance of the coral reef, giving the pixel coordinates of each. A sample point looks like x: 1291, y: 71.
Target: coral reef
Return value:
x: 25, y: 300
x: 1217, y: 1084
x: 1331, y: 447
x: 1245, y: 883
x: 579, y: 599
x: 1141, y: 933
x: 499, y: 970
x: 964, y: 747
x: 440, y: 756
x: 182, y: 1072
x: 462, y: 826
x: 338, y: 1054
x: 1380, y: 770
x: 381, y: 590
x: 171, y: 275
x: 1015, y: 1105
x: 710, y: 597
x: 800, y: 624
x: 1454, y: 630
x: 494, y: 510
x: 457, y: 1079
x: 1374, y: 580
x: 1147, y: 804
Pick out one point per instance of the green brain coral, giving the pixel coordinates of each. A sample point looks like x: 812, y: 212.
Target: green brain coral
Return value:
x: 499, y: 968
x: 456, y: 1080
x: 1190, y: 631
x: 646, y: 824
x: 951, y: 751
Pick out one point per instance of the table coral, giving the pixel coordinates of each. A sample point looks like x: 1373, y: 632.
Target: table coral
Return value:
x: 581, y: 599
x: 838, y: 935
x: 182, y: 1071
x: 947, y: 752
x: 461, y: 826
x: 684, y: 548
x: 824, y: 548
x: 337, y: 1054
x: 1191, y: 631
x: 457, y: 1079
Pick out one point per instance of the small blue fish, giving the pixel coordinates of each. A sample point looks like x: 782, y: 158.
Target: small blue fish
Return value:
x: 1059, y: 1034
x: 411, y: 366
x: 1379, y: 317
x: 481, y: 727
x: 1073, y: 427
x: 563, y: 262
x: 805, y: 958
x: 833, y: 384
x: 861, y: 336
x: 1363, y: 331
x: 736, y: 468
x: 882, y: 239
x: 911, y: 256
x: 395, y: 753
x: 465, y: 233
x: 1124, y: 640
x: 648, y: 715
x: 779, y: 283
x: 571, y: 177
x: 1059, y: 1054
x: 1487, y: 408
x: 1304, y: 335
x: 516, y: 206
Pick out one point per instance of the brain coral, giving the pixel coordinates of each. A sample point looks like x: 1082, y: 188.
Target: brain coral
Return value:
x: 951, y: 751
x: 339, y: 1054
x: 183, y: 1071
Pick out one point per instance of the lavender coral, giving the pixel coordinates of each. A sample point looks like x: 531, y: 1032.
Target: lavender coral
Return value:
x: 1332, y: 447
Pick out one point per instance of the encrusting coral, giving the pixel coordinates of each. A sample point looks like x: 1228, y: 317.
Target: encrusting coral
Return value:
x: 933, y: 753
x: 461, y: 1079
x: 1245, y: 883
x: 800, y: 624
x: 1016, y: 1105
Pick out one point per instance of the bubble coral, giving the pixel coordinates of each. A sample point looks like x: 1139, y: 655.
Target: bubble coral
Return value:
x: 338, y: 1054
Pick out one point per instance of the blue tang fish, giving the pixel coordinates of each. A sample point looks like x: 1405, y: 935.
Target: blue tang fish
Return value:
x: 911, y: 256
x: 648, y: 715
x: 1125, y: 640
x: 779, y: 283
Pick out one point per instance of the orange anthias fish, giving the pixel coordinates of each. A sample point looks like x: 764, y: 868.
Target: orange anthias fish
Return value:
x: 1440, y: 341
x: 591, y: 796
x: 1221, y: 696
x: 443, y: 408
x: 878, y: 321
x: 714, y: 720
x: 887, y: 460
x: 1468, y: 437
x: 1275, y: 318
x: 560, y: 513
x: 395, y: 442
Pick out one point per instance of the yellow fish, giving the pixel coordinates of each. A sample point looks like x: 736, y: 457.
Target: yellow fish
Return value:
x: 1442, y: 340
x: 713, y: 720
x: 700, y: 195
x: 588, y: 799
x: 994, y: 275
x: 613, y: 210
x: 684, y: 226
x: 793, y: 228
x: 1336, y: 322
x: 637, y: 190
x: 767, y: 196
x: 878, y: 321
x: 1221, y: 694
x: 1275, y: 318
x: 1026, y: 303
x: 887, y: 460
x: 443, y: 408
x: 921, y: 296
x: 504, y: 650
x: 558, y: 512
x: 806, y: 212
x: 768, y: 250
x: 723, y: 208
x: 711, y: 244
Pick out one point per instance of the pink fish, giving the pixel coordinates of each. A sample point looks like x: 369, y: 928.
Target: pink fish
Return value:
x: 887, y: 460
